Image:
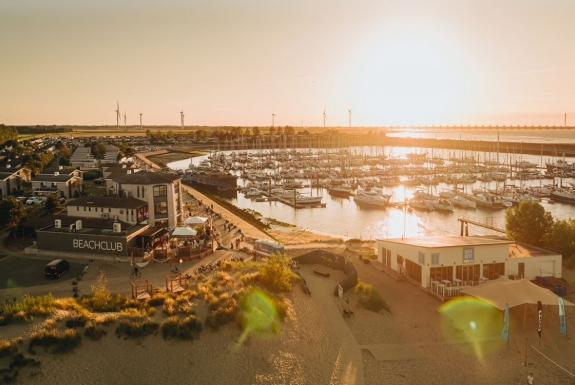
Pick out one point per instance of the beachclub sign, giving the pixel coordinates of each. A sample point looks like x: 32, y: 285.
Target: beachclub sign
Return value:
x: 97, y: 245
x: 85, y: 243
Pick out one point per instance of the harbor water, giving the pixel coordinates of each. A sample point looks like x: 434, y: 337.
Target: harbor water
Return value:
x: 342, y: 217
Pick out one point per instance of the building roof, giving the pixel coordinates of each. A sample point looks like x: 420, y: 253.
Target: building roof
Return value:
x: 111, y: 202
x: 449, y: 241
x: 91, y: 225
x: 146, y: 177
x: 521, y: 250
x: 52, y: 178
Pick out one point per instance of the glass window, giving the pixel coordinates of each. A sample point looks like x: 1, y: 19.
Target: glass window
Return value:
x: 468, y: 255
x: 421, y: 257
x: 161, y: 208
x: 435, y: 259
x: 160, y: 191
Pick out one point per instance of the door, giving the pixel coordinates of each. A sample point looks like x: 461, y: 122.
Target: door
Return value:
x: 521, y: 270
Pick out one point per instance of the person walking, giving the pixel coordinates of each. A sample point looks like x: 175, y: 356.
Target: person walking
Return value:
x: 530, y: 379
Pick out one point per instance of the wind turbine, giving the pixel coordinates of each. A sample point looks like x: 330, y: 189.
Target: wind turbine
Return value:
x: 273, y: 119
x: 324, y: 117
x: 349, y: 117
x: 140, y: 120
x: 124, y: 119
x: 182, y: 118
x: 117, y: 115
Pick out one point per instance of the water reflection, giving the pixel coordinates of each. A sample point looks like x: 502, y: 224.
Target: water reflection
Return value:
x: 343, y: 217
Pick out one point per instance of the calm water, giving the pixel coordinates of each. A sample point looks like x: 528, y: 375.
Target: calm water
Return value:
x: 519, y: 136
x: 342, y: 217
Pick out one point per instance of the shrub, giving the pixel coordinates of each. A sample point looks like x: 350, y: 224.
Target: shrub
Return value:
x: 94, y: 333
x: 26, y: 307
x: 276, y: 275
x: 101, y: 299
x: 183, y: 329
x: 157, y: 299
x: 170, y: 306
x: 76, y: 322
x: 370, y: 298
x: 7, y: 348
x: 55, y: 341
x: 223, y: 315
x: 136, y: 328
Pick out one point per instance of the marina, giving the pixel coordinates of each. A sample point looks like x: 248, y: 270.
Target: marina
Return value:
x: 361, y: 192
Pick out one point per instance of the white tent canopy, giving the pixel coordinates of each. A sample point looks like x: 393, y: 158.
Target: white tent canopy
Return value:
x: 513, y: 292
x: 184, y: 232
x: 195, y: 220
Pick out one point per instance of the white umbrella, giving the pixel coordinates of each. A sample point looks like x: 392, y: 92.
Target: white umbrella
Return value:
x: 184, y: 232
x: 195, y: 221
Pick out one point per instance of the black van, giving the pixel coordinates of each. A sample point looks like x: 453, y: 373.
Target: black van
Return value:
x: 56, y: 268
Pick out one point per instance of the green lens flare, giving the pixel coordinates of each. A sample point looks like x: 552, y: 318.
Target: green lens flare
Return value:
x: 259, y: 314
x: 474, y: 322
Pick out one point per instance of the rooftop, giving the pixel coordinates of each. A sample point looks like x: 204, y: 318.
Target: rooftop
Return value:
x: 449, y: 241
x: 94, y: 226
x: 108, y: 201
x: 146, y: 177
x: 52, y: 178
x: 522, y: 250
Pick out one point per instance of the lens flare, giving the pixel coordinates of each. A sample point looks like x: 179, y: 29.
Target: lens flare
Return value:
x: 259, y: 314
x: 475, y: 321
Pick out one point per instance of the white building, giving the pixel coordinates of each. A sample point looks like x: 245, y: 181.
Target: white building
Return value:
x: 161, y: 191
x: 465, y: 260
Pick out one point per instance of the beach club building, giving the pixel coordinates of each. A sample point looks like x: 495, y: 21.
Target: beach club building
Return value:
x: 161, y: 191
x: 465, y: 261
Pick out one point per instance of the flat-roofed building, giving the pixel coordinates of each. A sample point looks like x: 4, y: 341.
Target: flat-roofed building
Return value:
x: 161, y: 191
x: 128, y: 210
x: 465, y: 260
x: 82, y: 237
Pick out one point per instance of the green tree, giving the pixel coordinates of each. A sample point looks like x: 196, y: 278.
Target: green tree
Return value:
x: 255, y: 131
x: 99, y: 150
x: 561, y: 238
x: 11, y: 212
x: 528, y: 222
x: 51, y: 204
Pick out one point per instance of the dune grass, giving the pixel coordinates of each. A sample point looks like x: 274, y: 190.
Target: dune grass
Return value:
x: 136, y: 328
x: 55, y: 341
x: 186, y: 328
x: 28, y: 306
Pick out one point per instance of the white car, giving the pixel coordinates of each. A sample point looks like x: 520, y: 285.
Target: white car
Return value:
x: 36, y: 200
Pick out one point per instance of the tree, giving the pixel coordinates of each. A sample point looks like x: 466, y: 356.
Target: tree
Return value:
x: 51, y: 204
x: 562, y: 238
x: 99, y: 150
x: 528, y: 222
x: 11, y: 211
x: 255, y: 131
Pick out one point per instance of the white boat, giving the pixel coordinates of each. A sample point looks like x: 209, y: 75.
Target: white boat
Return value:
x: 443, y: 205
x: 253, y: 193
x: 565, y: 196
x: 421, y: 204
x: 372, y: 198
x: 462, y: 202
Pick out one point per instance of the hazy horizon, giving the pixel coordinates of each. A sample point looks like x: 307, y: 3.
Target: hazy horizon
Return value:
x: 224, y: 63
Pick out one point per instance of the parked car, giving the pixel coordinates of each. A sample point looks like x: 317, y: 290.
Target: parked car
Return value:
x: 36, y: 200
x: 56, y: 268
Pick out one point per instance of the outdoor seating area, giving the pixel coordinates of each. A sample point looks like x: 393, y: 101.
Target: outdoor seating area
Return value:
x: 141, y: 289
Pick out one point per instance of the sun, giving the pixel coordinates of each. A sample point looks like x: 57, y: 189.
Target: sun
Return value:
x: 412, y: 74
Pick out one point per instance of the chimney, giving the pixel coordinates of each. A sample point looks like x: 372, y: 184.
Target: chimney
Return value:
x: 117, y: 227
x: 78, y: 225
x: 58, y: 223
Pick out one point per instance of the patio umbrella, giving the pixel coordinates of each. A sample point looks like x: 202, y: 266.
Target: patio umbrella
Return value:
x: 195, y: 221
x: 183, y: 232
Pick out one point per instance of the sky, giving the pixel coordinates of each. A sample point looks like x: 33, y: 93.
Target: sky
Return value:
x: 235, y: 62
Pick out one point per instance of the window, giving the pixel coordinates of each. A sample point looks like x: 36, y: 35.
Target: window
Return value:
x: 421, y: 258
x: 160, y: 191
x: 161, y: 208
x: 435, y: 259
x: 468, y: 255
x: 121, y: 211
